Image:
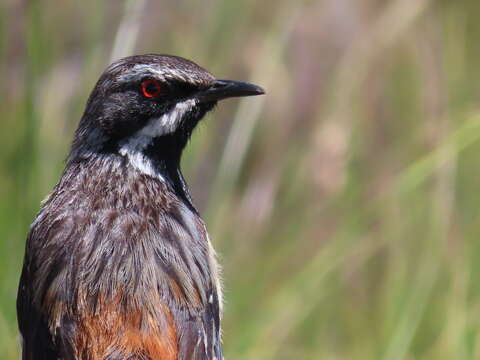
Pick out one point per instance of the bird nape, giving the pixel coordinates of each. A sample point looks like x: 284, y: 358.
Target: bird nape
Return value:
x: 118, y: 264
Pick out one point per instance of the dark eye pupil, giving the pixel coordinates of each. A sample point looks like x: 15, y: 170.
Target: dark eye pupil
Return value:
x: 152, y: 88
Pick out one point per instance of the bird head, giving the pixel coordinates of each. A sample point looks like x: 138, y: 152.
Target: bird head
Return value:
x: 150, y: 104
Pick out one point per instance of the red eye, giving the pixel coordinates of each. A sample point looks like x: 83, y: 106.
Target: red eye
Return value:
x: 150, y: 88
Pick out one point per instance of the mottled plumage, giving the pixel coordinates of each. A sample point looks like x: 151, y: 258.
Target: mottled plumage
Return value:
x: 118, y: 264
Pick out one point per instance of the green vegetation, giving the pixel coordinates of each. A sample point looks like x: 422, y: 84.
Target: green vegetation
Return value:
x: 344, y: 205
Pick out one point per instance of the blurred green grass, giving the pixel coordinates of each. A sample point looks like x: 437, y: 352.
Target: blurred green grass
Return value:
x: 344, y: 204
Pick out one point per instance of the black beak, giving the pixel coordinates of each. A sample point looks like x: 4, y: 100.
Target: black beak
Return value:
x: 222, y: 89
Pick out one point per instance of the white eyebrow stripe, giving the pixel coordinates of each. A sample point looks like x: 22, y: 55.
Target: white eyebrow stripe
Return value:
x: 140, y: 71
x: 133, y: 147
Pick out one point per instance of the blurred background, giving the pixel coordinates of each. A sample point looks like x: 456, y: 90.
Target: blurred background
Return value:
x: 344, y: 204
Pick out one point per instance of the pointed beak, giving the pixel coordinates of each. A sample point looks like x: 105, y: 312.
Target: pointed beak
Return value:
x: 223, y: 89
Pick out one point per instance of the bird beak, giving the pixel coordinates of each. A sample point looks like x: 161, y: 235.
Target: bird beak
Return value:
x: 222, y: 89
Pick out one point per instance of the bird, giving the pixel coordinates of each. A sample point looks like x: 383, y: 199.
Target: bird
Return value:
x: 118, y: 263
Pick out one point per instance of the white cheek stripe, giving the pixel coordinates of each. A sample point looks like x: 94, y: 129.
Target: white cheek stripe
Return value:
x: 134, y: 146
x: 167, y: 123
